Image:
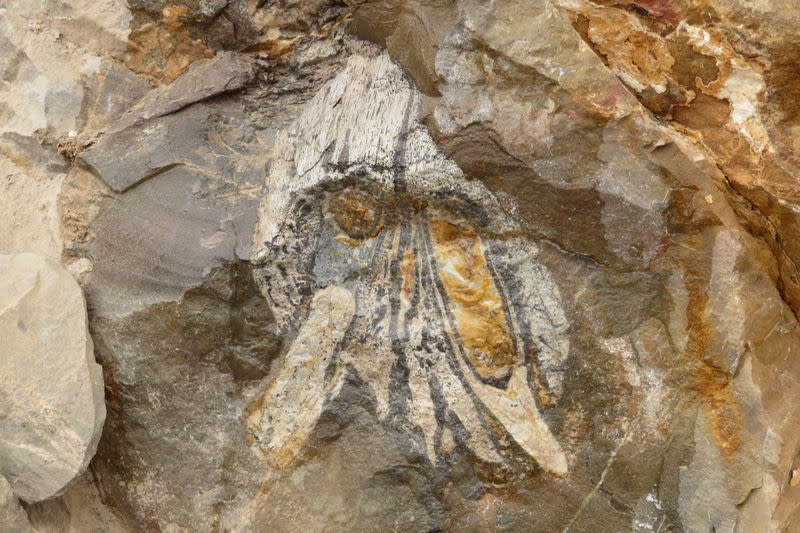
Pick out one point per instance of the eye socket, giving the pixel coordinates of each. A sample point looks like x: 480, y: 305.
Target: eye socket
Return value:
x: 356, y: 214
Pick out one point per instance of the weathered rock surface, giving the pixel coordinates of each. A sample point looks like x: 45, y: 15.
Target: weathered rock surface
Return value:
x: 48, y: 49
x: 80, y: 508
x: 30, y: 181
x: 51, y: 388
x: 154, y: 137
x: 12, y: 516
x: 420, y: 265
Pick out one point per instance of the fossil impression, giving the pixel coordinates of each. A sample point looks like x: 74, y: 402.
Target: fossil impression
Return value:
x: 416, y: 284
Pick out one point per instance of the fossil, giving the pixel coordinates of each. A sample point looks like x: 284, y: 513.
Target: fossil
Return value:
x: 407, y: 276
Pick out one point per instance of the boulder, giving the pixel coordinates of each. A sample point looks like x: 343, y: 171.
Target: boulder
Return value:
x: 51, y: 391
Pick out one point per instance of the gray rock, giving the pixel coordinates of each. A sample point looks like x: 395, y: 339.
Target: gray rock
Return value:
x: 160, y: 239
x: 159, y: 132
x: 51, y: 391
x: 182, y: 374
x: 127, y: 157
x: 224, y: 73
x: 498, y: 282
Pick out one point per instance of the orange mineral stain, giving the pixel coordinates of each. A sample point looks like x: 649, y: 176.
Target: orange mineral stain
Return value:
x: 163, y: 49
x: 712, y: 383
x: 407, y: 269
x: 356, y: 214
x: 473, y: 299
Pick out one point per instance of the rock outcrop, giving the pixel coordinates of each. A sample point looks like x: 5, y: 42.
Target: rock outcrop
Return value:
x: 408, y: 265
x: 51, y: 388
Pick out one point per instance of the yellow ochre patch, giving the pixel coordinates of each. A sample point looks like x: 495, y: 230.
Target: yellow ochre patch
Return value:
x: 473, y: 299
x: 713, y: 384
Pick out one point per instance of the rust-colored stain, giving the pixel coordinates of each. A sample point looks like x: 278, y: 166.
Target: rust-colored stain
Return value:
x: 721, y: 408
x: 113, y: 392
x: 474, y: 299
x: 665, y: 11
x: 151, y: 524
x: 713, y: 384
x: 357, y: 214
x: 663, y: 103
x: 164, y: 49
x: 407, y: 270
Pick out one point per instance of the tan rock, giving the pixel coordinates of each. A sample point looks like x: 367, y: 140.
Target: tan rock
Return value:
x: 51, y: 387
x: 12, y: 517
x: 28, y: 211
x: 529, y: 268
x: 81, y: 508
x: 48, y: 49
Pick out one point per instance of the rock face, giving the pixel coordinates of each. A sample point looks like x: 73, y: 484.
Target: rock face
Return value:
x: 51, y: 389
x: 146, y: 141
x: 12, y: 516
x: 420, y: 293
x: 412, y: 265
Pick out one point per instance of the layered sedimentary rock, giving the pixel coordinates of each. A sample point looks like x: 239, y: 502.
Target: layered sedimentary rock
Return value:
x: 420, y: 265
x: 51, y: 388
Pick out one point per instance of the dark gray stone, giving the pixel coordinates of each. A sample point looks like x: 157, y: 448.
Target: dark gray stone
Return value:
x: 163, y: 130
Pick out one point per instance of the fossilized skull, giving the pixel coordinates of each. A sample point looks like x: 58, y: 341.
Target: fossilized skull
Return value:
x: 380, y: 259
